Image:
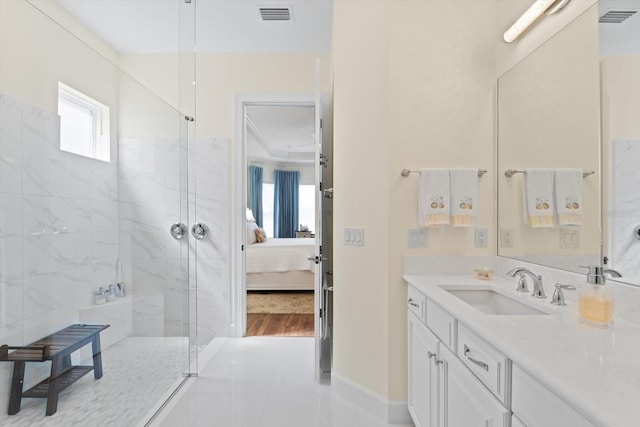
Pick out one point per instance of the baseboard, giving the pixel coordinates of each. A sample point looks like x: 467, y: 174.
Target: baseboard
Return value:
x: 393, y: 412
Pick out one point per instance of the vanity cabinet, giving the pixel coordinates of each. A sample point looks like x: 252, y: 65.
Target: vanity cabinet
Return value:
x: 443, y: 392
x: 423, y: 381
x: 465, y: 402
x: 529, y: 396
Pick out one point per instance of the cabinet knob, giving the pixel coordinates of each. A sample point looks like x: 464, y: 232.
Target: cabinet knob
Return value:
x: 413, y: 303
x: 431, y: 355
x: 437, y: 361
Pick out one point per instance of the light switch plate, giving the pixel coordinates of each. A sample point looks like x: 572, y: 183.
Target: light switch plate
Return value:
x: 417, y: 238
x: 354, y: 236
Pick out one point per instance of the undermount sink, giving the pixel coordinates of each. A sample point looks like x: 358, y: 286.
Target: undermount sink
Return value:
x: 489, y: 301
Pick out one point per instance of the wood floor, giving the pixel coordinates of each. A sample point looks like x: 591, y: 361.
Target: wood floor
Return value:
x: 281, y: 325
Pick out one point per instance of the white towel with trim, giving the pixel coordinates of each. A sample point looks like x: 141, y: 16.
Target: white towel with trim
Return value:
x: 464, y: 197
x: 568, y: 188
x: 538, y: 197
x: 433, y: 197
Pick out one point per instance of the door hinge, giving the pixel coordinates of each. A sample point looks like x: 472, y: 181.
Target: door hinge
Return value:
x: 320, y: 186
x: 320, y: 313
x: 242, y: 248
x: 320, y: 123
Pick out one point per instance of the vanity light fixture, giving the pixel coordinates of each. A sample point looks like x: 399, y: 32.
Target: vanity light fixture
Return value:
x: 532, y: 14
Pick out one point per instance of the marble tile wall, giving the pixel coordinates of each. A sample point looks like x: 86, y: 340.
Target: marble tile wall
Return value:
x: 58, y: 229
x: 152, y: 185
x: 624, y: 215
x: 209, y: 204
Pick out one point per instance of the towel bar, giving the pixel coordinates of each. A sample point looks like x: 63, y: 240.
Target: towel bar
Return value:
x: 510, y: 172
x: 406, y: 172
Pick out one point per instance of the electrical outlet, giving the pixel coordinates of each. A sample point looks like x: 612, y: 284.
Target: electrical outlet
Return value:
x: 417, y: 238
x: 482, y: 238
x: 506, y: 238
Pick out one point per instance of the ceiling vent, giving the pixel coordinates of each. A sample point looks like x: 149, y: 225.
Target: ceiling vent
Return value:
x: 616, y: 16
x: 276, y: 13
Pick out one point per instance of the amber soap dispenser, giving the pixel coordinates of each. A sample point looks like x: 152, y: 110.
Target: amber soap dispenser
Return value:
x: 596, y: 298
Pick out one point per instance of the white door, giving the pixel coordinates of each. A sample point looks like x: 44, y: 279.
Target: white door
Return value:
x: 318, y: 226
x: 464, y: 401
x: 423, y: 374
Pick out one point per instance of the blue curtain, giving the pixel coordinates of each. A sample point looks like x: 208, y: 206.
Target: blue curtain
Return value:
x: 285, y: 203
x: 255, y: 193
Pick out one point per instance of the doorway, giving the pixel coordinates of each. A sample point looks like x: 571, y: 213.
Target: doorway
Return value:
x: 281, y: 217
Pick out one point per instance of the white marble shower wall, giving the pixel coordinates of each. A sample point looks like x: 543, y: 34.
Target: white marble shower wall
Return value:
x: 154, y: 263
x: 58, y: 228
x: 624, y: 215
x: 209, y: 204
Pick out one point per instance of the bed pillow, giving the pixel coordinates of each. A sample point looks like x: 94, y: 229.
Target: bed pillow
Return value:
x: 261, y: 236
x: 251, y: 232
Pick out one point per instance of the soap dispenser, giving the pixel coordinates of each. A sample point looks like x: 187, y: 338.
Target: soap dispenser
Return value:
x: 596, y: 298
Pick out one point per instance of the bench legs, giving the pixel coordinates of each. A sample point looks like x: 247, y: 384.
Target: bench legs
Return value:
x: 97, y: 357
x: 16, y: 388
x: 57, y: 368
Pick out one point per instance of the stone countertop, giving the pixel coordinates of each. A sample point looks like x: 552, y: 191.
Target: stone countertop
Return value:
x: 595, y: 371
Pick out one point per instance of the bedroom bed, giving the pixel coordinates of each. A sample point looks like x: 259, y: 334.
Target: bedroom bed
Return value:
x: 280, y: 264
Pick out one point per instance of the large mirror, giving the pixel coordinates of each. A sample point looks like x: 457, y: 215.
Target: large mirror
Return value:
x: 620, y: 66
x: 549, y: 118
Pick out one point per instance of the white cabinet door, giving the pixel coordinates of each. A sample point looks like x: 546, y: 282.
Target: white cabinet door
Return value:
x: 464, y: 401
x: 423, y: 374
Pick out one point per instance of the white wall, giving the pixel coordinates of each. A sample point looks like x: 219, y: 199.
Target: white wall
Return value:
x: 433, y: 82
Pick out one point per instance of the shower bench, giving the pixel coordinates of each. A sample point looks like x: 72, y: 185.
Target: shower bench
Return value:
x: 57, y: 348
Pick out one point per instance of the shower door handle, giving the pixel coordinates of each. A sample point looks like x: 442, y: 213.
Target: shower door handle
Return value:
x: 178, y: 230
x: 199, y: 230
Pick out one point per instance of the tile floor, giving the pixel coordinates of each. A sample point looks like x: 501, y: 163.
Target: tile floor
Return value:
x: 266, y: 382
x: 138, y: 372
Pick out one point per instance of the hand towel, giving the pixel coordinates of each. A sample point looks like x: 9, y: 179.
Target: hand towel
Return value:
x: 433, y: 197
x: 538, y: 197
x: 568, y: 186
x: 464, y: 197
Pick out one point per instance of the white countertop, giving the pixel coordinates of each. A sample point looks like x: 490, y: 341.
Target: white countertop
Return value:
x: 595, y: 371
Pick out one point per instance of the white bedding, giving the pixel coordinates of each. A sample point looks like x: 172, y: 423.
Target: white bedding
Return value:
x: 279, y: 255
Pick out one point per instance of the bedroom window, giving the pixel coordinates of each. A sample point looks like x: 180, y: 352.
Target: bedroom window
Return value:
x: 306, y: 207
x: 84, y: 124
x: 267, y: 208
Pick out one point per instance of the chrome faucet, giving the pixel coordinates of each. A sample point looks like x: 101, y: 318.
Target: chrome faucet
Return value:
x: 538, y: 289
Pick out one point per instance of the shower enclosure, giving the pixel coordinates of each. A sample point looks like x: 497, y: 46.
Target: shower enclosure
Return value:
x: 94, y: 171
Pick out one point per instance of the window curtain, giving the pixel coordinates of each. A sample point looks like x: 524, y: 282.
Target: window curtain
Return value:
x: 285, y: 204
x: 255, y: 193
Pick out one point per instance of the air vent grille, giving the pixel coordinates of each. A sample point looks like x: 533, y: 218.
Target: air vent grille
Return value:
x: 616, y: 16
x: 275, y: 13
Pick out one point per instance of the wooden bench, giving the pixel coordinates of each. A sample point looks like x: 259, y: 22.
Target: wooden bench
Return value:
x: 57, y: 348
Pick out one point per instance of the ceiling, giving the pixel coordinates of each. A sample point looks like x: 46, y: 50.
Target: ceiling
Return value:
x: 283, y: 134
x: 222, y: 26
x: 623, y: 38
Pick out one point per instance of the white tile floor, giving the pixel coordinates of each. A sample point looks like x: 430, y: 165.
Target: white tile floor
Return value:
x: 266, y: 382
x: 138, y: 372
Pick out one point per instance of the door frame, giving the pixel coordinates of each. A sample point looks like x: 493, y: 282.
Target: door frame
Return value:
x: 238, y: 325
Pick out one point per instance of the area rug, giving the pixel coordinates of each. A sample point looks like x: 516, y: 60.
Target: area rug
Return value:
x: 292, y: 302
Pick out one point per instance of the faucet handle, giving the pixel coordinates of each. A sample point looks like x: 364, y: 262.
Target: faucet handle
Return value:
x: 558, y: 295
x: 522, y: 283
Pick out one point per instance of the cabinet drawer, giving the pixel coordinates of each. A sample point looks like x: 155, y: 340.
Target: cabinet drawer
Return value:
x: 415, y: 302
x: 442, y: 324
x: 488, y: 364
x: 529, y: 396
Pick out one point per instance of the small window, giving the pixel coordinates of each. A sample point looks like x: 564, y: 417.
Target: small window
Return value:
x: 84, y: 124
x: 267, y: 208
x: 307, y: 206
